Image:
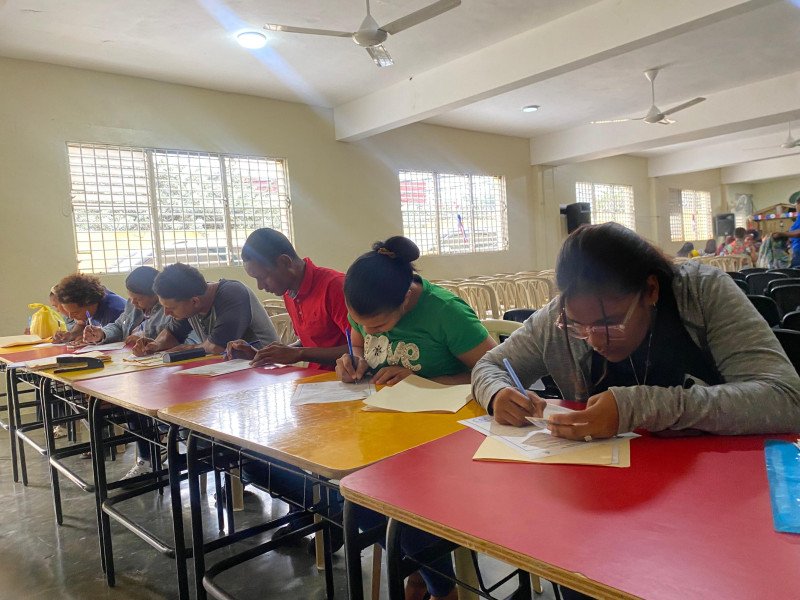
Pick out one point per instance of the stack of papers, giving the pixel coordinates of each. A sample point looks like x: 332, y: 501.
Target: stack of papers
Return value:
x: 534, y: 443
x: 416, y: 394
x: 324, y: 392
x: 10, y: 341
x: 98, y: 347
x: 149, y: 361
x: 220, y: 368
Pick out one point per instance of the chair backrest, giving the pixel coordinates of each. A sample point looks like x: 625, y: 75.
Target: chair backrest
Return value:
x: 748, y: 270
x: 787, y: 271
x: 791, y: 320
x: 449, y: 286
x: 534, y: 292
x: 274, y: 306
x: 787, y: 297
x: 742, y: 285
x: 781, y: 282
x: 790, y: 341
x: 767, y: 308
x: 758, y: 281
x: 283, y: 325
x: 481, y: 298
x: 500, y: 329
x: 518, y: 314
x: 736, y: 275
x: 505, y: 290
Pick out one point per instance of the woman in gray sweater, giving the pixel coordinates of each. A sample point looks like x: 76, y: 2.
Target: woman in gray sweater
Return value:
x: 644, y: 344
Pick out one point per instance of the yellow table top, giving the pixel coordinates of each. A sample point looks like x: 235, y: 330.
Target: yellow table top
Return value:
x: 331, y: 440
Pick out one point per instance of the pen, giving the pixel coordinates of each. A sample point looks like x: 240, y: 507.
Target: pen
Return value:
x: 251, y: 344
x: 88, y: 318
x: 514, y: 378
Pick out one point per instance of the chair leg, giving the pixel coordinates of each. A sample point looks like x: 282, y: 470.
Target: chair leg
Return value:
x: 465, y: 571
x: 237, y: 490
x: 377, y: 562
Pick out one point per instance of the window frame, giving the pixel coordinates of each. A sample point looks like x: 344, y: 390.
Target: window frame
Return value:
x: 469, y: 220
x: 152, y: 249
x: 595, y: 210
x: 677, y: 195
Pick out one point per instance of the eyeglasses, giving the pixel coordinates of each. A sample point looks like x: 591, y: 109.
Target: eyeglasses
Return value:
x: 582, y: 332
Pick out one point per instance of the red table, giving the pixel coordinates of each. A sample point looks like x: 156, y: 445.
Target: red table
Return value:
x: 691, y: 517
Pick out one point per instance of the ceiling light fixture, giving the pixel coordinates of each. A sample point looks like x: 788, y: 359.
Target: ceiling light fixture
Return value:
x: 530, y: 108
x: 252, y: 40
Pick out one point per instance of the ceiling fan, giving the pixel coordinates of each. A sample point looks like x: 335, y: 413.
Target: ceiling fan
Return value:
x: 370, y: 36
x: 655, y: 114
x: 788, y: 144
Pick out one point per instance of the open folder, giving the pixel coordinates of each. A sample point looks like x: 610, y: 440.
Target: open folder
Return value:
x: 9, y: 341
x: 614, y: 454
x: 416, y: 394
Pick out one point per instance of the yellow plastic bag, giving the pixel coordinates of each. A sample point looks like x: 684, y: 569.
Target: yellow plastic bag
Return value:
x: 45, y: 321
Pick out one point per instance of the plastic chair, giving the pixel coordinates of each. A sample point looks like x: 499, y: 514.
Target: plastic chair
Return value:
x: 767, y: 308
x: 781, y: 282
x: 787, y: 271
x: 274, y: 307
x: 791, y: 320
x: 481, y: 298
x: 787, y: 297
x: 505, y: 290
x: 742, y: 285
x: 534, y: 292
x: 500, y: 329
x: 519, y: 315
x: 790, y: 341
x: 758, y: 281
x: 284, y: 328
x: 748, y: 270
x: 737, y: 275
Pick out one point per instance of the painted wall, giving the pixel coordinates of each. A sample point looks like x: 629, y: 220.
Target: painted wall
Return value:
x: 345, y: 196
x: 708, y: 181
x: 770, y: 193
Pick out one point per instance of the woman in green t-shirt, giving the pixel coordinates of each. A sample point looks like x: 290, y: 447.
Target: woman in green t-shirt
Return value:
x: 403, y: 324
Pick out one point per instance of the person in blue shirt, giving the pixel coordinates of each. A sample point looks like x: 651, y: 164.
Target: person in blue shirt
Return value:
x: 794, y: 231
x: 86, y: 300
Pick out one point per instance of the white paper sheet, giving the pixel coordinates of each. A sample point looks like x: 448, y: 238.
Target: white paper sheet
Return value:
x: 220, y: 368
x: 416, y: 394
x: 324, y: 392
x: 533, y: 441
x: 93, y: 347
x: 150, y: 359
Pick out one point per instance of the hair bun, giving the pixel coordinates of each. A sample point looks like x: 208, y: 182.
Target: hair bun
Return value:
x: 401, y: 247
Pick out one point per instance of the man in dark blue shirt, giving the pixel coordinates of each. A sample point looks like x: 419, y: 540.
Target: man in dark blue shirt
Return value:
x: 794, y: 231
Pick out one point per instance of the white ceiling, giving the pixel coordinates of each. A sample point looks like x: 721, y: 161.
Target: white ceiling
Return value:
x: 473, y: 67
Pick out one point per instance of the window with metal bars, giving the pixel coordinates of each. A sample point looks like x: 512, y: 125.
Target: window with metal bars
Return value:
x: 690, y: 215
x: 447, y: 213
x: 609, y: 202
x: 150, y: 206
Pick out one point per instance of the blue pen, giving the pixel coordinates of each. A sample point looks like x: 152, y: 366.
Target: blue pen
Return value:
x: 350, y: 347
x: 88, y: 318
x: 514, y: 378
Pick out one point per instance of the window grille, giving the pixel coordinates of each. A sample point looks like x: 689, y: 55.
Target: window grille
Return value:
x: 609, y: 202
x: 690, y: 215
x: 447, y: 214
x: 149, y: 206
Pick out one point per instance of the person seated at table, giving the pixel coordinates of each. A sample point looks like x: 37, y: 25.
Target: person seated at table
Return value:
x: 403, y: 324
x: 687, y: 251
x: 60, y: 336
x: 217, y: 313
x: 737, y: 246
x: 313, y: 297
x: 710, y: 249
x: 143, y: 315
x: 84, y: 299
x: 645, y: 345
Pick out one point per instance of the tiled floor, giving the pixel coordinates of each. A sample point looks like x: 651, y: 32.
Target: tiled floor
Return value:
x: 41, y: 561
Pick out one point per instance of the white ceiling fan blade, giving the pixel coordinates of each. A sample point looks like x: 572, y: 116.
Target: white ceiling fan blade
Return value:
x: 773, y: 147
x: 380, y: 56
x: 675, y: 109
x: 423, y: 14
x: 290, y: 29
x: 606, y: 121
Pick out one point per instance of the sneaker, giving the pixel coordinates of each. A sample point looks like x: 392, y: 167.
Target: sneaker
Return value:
x: 59, y: 432
x: 140, y: 467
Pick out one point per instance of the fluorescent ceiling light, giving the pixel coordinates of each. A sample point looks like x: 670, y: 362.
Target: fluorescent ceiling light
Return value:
x: 380, y: 56
x: 252, y: 39
x: 530, y: 108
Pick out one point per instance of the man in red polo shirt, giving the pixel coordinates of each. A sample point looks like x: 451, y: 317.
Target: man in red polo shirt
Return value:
x: 313, y: 297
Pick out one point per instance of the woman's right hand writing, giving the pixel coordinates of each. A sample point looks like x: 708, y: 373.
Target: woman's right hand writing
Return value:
x: 510, y: 407
x: 93, y: 334
x: 349, y: 373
